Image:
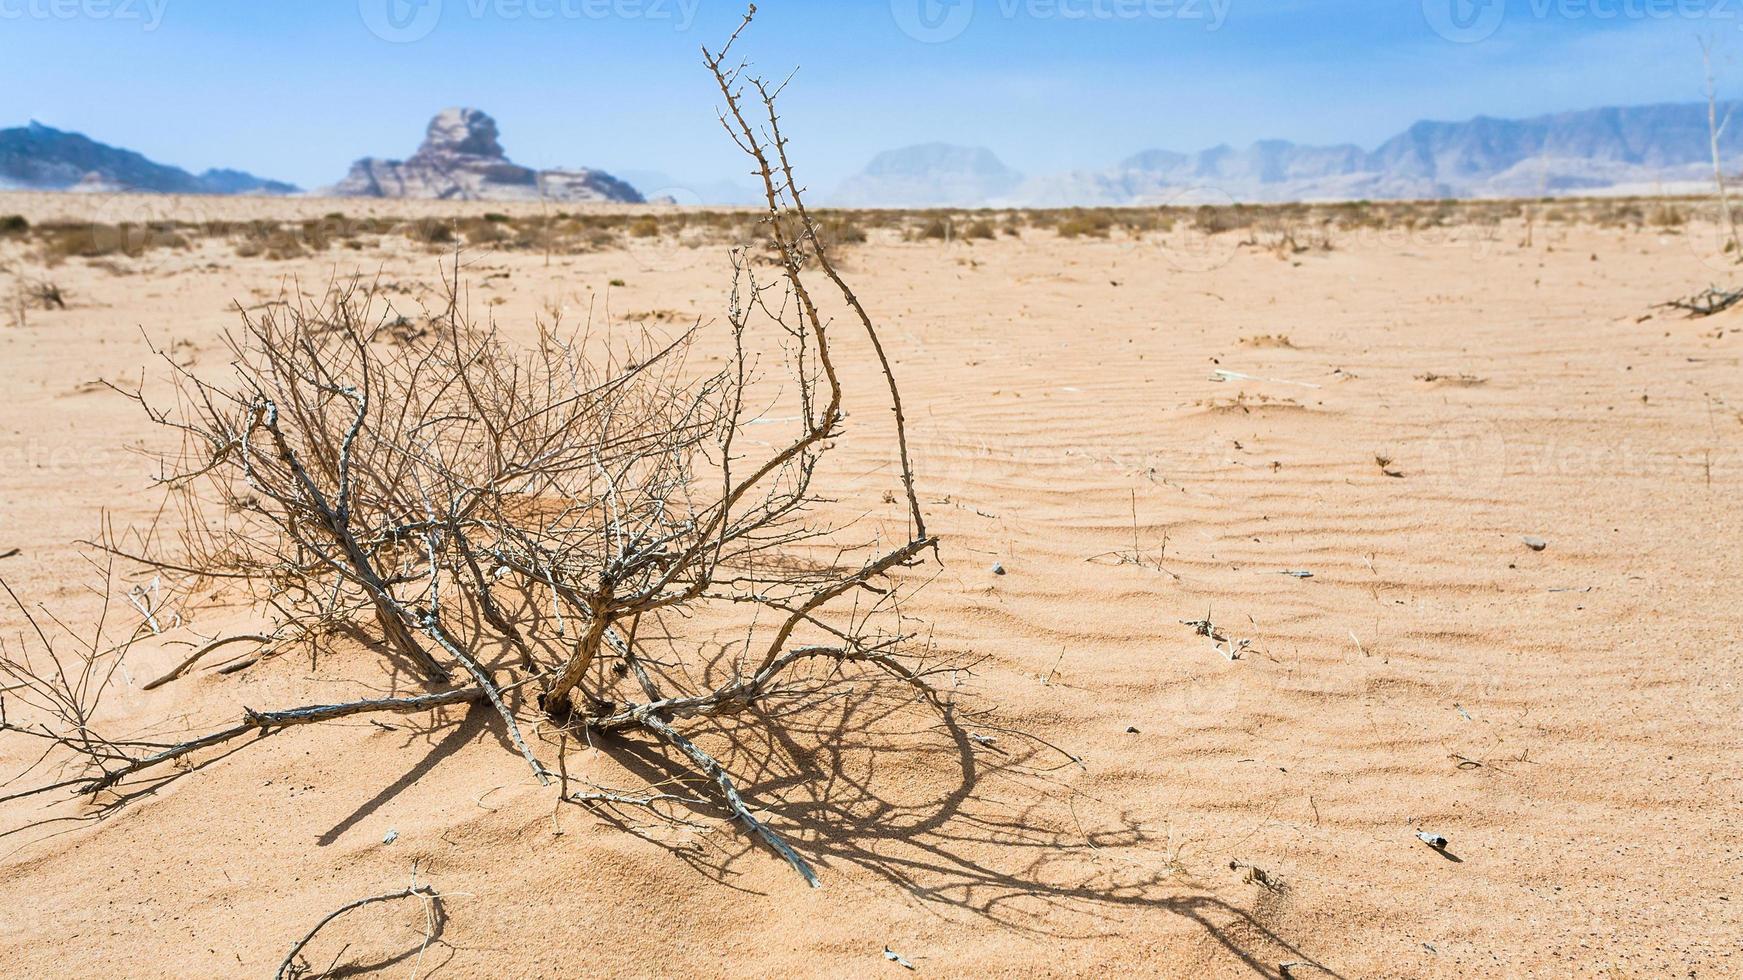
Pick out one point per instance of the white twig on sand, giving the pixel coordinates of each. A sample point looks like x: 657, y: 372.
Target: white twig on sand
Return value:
x: 432, y: 908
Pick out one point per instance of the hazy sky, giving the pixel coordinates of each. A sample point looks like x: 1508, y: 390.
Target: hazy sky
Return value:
x: 297, y: 89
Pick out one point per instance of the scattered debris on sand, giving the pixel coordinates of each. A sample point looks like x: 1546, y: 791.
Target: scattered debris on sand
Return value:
x: 1706, y: 303
x: 1456, y: 380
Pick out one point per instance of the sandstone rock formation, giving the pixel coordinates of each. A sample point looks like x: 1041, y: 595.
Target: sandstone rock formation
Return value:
x: 462, y: 160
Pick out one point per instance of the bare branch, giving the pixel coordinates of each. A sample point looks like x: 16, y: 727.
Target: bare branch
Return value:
x: 424, y: 893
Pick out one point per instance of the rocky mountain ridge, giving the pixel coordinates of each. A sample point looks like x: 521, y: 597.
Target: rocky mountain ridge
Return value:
x: 39, y: 157
x: 462, y: 159
x: 1587, y: 151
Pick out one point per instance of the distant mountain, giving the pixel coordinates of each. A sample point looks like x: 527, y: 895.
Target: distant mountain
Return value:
x: 38, y: 157
x: 1653, y: 137
x: 929, y: 175
x: 661, y: 187
x: 239, y: 182
x: 461, y: 160
x: 1634, y: 147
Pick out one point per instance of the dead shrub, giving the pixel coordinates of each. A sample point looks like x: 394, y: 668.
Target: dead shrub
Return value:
x: 1085, y: 224
x: 934, y: 229
x: 584, y: 535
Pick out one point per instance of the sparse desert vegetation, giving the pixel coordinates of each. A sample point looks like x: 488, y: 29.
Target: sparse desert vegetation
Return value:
x: 1101, y: 489
x: 1275, y: 453
x: 443, y: 588
x: 432, y: 229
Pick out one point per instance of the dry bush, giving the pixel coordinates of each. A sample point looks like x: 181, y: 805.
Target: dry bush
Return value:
x: 1091, y: 224
x: 586, y: 520
x: 430, y: 231
x: 1139, y: 223
x: 1214, y: 220
x: 1668, y: 216
x: 485, y: 231
x: 48, y: 295
x: 273, y: 241
x: 1290, y: 231
x: 318, y: 235
x: 1620, y: 214
x: 58, y: 241
x: 936, y: 228
x: 841, y: 229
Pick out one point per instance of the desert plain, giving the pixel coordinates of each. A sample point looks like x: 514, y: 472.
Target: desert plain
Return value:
x: 1329, y: 434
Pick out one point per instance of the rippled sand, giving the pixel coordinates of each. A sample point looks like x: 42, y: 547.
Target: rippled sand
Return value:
x: 1393, y: 417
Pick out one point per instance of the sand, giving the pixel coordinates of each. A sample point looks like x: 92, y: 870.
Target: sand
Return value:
x: 1566, y: 718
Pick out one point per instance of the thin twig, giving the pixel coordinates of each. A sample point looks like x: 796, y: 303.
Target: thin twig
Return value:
x: 267, y: 722
x: 194, y: 657
x: 432, y: 906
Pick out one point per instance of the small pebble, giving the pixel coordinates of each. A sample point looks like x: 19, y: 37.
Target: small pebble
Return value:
x: 998, y: 569
x: 1435, y: 841
x: 1131, y: 730
x: 1535, y: 544
x: 392, y: 836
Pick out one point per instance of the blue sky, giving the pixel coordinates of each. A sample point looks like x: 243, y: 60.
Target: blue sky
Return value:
x: 296, y: 89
